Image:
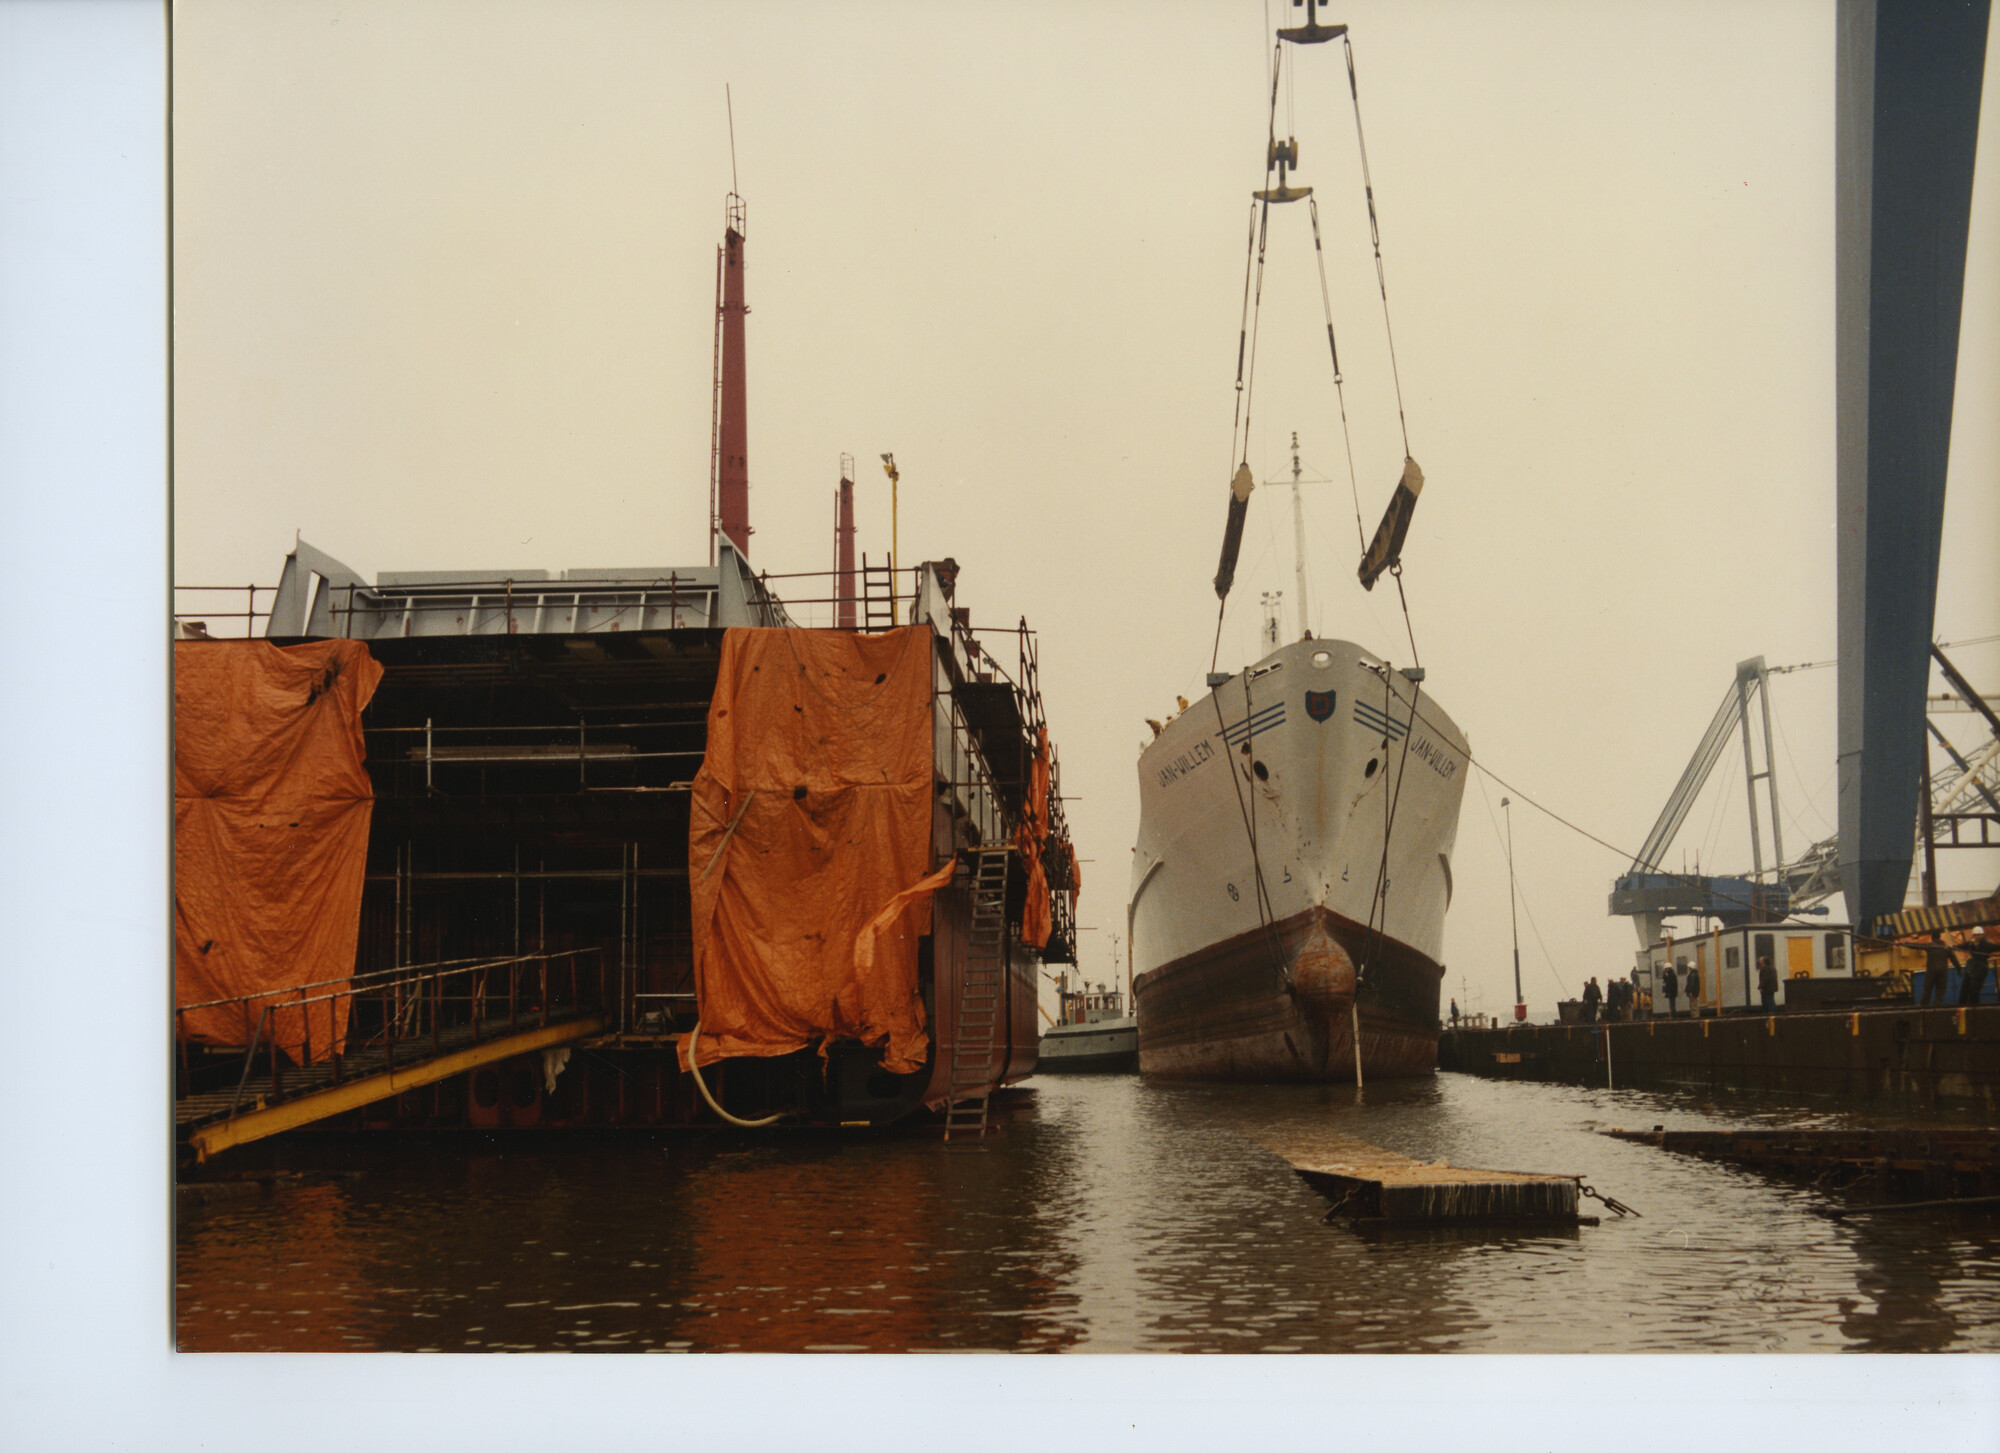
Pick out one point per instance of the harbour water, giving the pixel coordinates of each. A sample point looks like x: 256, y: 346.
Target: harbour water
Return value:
x: 1113, y: 1214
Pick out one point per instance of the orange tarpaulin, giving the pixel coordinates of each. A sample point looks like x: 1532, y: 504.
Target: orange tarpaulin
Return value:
x: 1028, y: 840
x: 271, y: 807
x: 809, y: 844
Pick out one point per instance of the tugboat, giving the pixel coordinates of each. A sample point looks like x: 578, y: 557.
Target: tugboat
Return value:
x: 1093, y: 1033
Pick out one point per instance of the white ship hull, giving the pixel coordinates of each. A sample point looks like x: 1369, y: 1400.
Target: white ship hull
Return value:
x: 1109, y: 1046
x: 1305, y: 755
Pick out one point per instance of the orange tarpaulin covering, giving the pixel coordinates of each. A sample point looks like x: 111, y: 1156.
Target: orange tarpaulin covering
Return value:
x: 271, y: 807
x: 1028, y: 840
x: 809, y: 844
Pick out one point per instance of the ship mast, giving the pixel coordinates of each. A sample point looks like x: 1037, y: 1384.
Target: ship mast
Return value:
x: 1299, y: 540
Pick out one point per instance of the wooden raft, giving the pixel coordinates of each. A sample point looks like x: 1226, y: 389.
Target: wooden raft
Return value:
x: 1368, y: 1183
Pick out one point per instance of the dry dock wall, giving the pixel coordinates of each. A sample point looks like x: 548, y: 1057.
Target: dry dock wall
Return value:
x: 1889, y: 1059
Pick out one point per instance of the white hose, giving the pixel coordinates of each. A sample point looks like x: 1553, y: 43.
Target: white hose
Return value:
x: 694, y: 1042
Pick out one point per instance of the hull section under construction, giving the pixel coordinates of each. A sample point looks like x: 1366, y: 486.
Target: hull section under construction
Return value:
x: 1292, y: 873
x: 535, y: 749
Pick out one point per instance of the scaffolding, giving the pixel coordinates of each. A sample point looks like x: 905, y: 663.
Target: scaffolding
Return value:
x: 533, y: 746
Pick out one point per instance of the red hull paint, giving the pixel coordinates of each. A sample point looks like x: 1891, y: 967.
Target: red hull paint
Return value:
x: 1016, y: 1045
x: 1229, y: 1012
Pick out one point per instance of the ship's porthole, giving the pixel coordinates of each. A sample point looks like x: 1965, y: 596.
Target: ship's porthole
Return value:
x: 1369, y: 770
x: 1263, y: 773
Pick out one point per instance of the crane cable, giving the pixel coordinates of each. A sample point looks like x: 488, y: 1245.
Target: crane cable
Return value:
x: 1239, y: 451
x: 1380, y: 899
x: 1267, y: 917
x: 1256, y: 249
x: 1375, y: 236
x: 1252, y: 315
x: 1583, y: 832
x: 1253, y: 296
x: 1339, y: 384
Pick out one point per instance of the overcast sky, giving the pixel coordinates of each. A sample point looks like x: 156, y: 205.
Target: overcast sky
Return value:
x: 444, y: 298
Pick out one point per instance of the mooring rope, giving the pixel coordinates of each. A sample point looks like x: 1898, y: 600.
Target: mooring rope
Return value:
x: 1625, y: 853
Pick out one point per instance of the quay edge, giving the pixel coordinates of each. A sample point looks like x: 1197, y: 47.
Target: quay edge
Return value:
x: 1898, y: 1060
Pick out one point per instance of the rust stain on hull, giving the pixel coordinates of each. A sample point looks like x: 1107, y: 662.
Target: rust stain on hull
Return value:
x: 1275, y: 1005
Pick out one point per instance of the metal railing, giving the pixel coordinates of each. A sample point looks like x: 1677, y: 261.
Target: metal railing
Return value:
x: 192, y: 618
x: 505, y: 606
x: 414, y: 1010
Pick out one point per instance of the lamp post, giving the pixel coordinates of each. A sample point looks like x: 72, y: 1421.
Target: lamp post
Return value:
x: 889, y: 468
x: 1513, y: 917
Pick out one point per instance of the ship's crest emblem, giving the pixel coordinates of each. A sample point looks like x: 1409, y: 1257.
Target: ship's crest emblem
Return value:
x: 1319, y: 705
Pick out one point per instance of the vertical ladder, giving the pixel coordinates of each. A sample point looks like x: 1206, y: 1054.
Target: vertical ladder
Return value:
x: 878, y: 596
x: 980, y: 998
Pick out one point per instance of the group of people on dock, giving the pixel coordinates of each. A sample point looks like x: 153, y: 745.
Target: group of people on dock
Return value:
x: 1626, y: 999
x: 1680, y: 978
x: 1618, y: 1001
x: 1971, y: 954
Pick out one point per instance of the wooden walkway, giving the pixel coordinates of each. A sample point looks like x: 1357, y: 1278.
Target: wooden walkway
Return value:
x: 307, y: 1093
x: 1369, y: 1184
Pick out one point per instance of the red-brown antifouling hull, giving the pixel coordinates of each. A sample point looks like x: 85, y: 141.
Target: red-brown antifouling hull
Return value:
x: 1228, y: 1012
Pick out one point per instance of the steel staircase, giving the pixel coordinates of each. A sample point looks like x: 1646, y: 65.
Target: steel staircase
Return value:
x: 980, y: 999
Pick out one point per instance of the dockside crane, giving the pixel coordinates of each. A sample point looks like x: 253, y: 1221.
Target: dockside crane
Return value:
x: 1650, y: 895
x: 1960, y: 808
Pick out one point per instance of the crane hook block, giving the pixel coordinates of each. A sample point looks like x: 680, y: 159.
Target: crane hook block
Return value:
x: 1282, y: 155
x: 1312, y: 32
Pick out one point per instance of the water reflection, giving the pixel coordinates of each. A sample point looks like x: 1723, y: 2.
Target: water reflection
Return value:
x: 1913, y: 1271
x: 1114, y: 1214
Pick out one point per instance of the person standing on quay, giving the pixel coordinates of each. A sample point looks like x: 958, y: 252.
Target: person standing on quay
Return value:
x: 1767, y: 983
x: 1670, y: 985
x: 1972, y: 978
x: 1938, y: 959
x: 1692, y: 983
x: 1454, y: 1014
x: 1592, y: 995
